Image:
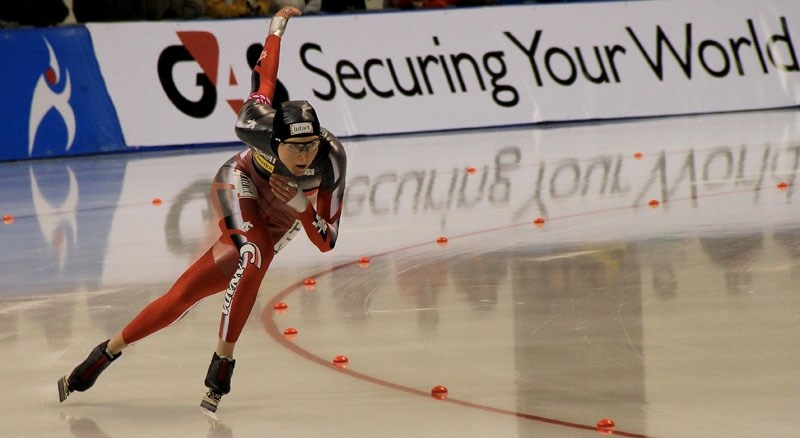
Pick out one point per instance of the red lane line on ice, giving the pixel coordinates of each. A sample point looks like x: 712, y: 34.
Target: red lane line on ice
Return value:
x: 89, y: 209
x: 271, y: 328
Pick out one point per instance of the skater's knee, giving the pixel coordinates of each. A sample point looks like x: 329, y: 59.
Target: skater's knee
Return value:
x: 255, y: 253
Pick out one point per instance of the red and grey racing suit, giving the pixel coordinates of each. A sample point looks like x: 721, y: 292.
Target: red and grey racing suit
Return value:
x: 255, y: 224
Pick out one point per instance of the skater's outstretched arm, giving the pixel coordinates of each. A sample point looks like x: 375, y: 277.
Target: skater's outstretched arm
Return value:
x: 265, y: 72
x: 254, y: 122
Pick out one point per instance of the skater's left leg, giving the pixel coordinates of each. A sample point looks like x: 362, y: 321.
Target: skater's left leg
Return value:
x: 208, y: 275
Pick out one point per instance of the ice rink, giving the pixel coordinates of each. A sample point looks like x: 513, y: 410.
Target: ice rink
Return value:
x: 661, y: 291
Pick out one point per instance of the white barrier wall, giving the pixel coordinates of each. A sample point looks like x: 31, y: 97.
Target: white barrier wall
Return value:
x: 181, y: 82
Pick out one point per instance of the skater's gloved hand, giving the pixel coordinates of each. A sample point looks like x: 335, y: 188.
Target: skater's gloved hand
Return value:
x: 286, y: 190
x: 278, y: 23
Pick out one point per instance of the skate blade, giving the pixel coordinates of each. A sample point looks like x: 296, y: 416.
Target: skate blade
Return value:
x: 63, y: 389
x: 209, y: 405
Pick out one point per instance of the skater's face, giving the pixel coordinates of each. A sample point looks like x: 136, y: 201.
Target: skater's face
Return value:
x: 298, y: 153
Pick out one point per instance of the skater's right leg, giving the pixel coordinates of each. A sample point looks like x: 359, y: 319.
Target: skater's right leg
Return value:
x: 239, y: 301
x: 218, y: 381
x: 244, y: 227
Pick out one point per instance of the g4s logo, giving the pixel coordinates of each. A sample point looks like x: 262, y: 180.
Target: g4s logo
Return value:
x: 202, y: 47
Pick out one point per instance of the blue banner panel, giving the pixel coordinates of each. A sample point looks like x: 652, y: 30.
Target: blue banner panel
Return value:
x: 55, y: 101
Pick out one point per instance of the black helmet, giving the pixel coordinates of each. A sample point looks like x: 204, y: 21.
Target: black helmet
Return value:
x: 294, y: 118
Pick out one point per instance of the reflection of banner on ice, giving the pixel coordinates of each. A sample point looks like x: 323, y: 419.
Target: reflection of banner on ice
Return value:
x: 58, y: 104
x: 732, y: 162
x: 59, y: 227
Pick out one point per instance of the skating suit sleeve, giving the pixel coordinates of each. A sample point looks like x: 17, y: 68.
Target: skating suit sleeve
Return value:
x: 322, y: 223
x: 254, y: 121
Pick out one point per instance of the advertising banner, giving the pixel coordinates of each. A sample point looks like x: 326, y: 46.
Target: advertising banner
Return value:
x: 54, y: 100
x: 115, y: 86
x: 184, y: 83
x: 459, y: 68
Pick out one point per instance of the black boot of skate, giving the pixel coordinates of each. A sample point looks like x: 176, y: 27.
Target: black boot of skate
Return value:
x: 85, y: 374
x: 218, y: 381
